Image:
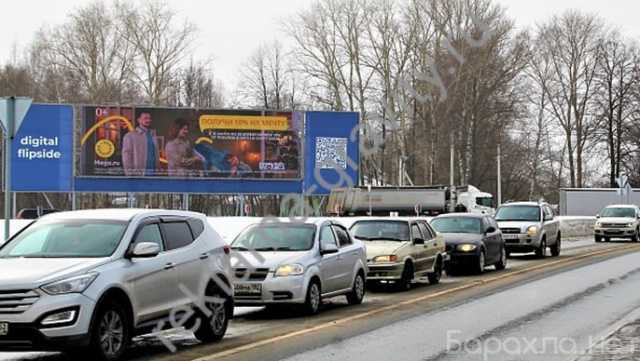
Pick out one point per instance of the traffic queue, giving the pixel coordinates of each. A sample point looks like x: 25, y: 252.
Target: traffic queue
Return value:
x: 98, y: 278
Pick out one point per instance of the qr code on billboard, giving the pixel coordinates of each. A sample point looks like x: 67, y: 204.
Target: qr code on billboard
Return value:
x: 331, y: 153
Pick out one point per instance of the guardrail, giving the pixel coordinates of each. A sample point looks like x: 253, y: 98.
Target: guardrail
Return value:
x: 576, y: 226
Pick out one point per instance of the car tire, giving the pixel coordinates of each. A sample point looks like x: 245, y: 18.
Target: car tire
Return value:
x: 480, y: 263
x: 598, y: 239
x: 541, y: 252
x: 213, y: 326
x: 356, y: 295
x: 110, y: 332
x: 557, y: 247
x: 435, y: 276
x: 404, y: 283
x: 502, y: 263
x: 313, y: 300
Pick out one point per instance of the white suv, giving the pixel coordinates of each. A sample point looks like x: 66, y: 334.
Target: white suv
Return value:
x: 618, y: 221
x: 94, y: 279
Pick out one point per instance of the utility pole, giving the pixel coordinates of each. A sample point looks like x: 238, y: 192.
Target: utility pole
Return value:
x: 498, y: 160
x: 452, y: 179
x: 452, y: 165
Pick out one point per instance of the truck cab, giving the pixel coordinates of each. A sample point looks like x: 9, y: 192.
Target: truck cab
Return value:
x: 476, y: 201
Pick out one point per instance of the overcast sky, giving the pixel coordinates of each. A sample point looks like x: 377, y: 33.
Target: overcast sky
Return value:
x: 230, y: 30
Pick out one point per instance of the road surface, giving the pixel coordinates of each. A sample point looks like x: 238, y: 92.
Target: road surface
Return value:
x: 587, y: 294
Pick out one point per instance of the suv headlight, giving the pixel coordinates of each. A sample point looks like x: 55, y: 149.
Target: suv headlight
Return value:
x: 466, y: 247
x: 532, y: 231
x: 385, y: 259
x: 75, y: 284
x: 289, y: 270
x: 598, y: 224
x: 629, y: 225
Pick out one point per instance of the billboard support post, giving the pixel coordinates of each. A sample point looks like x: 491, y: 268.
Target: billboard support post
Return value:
x: 185, y: 201
x: 10, y: 121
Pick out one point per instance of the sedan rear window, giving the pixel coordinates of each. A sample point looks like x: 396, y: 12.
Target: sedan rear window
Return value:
x: 458, y: 225
x: 280, y: 237
x: 66, y: 239
x: 381, y: 230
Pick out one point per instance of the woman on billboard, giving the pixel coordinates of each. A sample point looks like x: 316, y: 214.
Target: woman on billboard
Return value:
x: 183, y: 161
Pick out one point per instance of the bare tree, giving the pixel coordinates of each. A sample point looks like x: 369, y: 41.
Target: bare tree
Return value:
x: 570, y: 43
x: 161, y: 43
x: 196, y: 87
x: 268, y: 80
x: 91, y: 51
x: 617, y: 79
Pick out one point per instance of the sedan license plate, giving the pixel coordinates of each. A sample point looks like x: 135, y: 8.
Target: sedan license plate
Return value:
x: 247, y: 288
x: 4, y: 328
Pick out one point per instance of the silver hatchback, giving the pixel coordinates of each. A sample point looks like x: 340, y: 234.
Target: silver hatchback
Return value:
x: 289, y: 262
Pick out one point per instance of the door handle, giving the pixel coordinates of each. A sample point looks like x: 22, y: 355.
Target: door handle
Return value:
x: 204, y: 256
x: 169, y: 266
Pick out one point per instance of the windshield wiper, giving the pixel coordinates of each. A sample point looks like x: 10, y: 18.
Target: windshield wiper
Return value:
x: 264, y: 249
x: 283, y: 249
x: 363, y: 238
x: 239, y: 248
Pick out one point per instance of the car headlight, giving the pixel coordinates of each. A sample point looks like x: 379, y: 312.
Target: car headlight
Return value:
x: 598, y: 224
x: 385, y: 259
x: 532, y: 231
x: 289, y: 270
x: 75, y: 284
x: 466, y: 247
x: 629, y: 225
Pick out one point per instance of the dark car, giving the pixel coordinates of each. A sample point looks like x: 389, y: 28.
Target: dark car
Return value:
x: 473, y: 241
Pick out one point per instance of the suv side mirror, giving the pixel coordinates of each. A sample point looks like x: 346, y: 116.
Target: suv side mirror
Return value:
x: 145, y: 250
x: 329, y: 249
x: 490, y: 230
x: 418, y: 241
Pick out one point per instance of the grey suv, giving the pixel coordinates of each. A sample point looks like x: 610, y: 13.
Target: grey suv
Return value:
x: 529, y: 227
x: 91, y: 280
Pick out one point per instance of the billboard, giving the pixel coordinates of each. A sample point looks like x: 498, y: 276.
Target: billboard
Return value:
x: 331, y: 151
x: 139, y: 142
x: 42, y: 150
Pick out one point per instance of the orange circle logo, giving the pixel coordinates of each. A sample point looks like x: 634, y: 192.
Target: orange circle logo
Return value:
x: 105, y: 148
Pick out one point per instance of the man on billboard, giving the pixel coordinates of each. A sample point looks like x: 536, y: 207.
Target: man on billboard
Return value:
x: 140, y: 152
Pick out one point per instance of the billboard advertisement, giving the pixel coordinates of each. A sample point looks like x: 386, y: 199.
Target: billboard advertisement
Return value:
x: 42, y: 159
x: 331, y: 151
x: 139, y: 142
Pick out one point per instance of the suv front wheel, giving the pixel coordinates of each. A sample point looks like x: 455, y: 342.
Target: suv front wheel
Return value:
x: 541, y: 252
x: 110, y: 332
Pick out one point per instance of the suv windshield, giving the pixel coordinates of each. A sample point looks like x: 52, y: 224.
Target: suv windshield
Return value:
x: 276, y: 237
x: 381, y: 230
x: 66, y: 239
x: 518, y: 213
x: 458, y: 225
x: 618, y: 212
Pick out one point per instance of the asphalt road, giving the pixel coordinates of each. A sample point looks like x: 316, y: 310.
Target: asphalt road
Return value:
x: 575, y: 296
